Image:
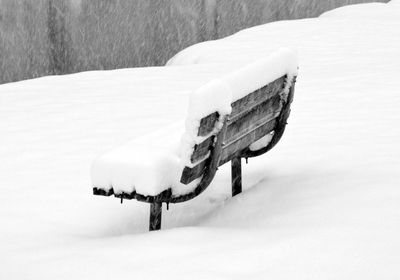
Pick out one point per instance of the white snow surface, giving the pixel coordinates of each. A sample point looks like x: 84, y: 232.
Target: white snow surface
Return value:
x: 155, y: 163
x: 324, y: 204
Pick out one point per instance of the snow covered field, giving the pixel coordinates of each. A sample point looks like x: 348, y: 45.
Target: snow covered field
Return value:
x: 324, y: 204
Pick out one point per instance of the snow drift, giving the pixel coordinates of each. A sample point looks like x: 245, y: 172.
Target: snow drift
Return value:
x: 323, y: 204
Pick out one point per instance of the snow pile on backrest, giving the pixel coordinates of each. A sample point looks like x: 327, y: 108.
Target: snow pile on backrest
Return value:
x: 218, y: 95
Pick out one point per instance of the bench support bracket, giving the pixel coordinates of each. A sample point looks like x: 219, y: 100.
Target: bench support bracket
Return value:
x: 236, y: 176
x: 155, y: 216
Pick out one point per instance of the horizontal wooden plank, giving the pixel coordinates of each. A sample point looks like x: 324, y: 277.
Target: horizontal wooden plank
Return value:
x: 207, y: 124
x: 231, y: 149
x: 259, y: 115
x: 189, y: 174
x: 202, y: 150
x: 244, y: 104
x: 251, y: 100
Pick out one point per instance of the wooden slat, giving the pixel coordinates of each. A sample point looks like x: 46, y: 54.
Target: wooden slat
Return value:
x: 202, y: 150
x: 229, y: 151
x: 190, y: 174
x: 259, y: 96
x: 259, y: 115
x: 207, y: 124
x: 208, y: 172
x: 240, y: 106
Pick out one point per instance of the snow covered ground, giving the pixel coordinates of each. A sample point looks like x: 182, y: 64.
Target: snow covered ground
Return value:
x: 324, y: 204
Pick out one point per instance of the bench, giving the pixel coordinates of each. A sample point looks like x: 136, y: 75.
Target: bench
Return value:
x: 214, y: 135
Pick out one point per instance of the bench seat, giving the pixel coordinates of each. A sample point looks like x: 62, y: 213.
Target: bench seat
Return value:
x: 146, y: 166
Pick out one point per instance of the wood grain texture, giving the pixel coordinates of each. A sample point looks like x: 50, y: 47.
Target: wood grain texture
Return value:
x: 242, y: 105
x: 189, y: 174
x: 230, y: 150
x: 254, y: 116
x: 202, y: 150
x: 209, y: 170
x: 207, y: 124
x: 279, y: 128
x: 258, y: 115
x: 251, y: 100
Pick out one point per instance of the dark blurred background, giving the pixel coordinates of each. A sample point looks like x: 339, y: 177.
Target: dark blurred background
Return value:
x: 51, y: 37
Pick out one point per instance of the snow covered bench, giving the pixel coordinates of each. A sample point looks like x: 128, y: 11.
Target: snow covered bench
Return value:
x: 240, y: 115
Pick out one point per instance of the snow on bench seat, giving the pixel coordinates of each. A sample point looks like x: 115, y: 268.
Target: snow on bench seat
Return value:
x: 153, y: 164
x: 147, y: 165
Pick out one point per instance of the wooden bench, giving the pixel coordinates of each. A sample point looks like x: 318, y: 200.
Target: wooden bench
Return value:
x: 259, y: 116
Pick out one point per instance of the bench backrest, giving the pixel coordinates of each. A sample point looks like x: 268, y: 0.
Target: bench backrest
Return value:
x: 252, y: 117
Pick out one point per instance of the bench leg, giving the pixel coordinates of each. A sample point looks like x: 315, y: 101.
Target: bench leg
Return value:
x: 155, y: 216
x: 236, y: 176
